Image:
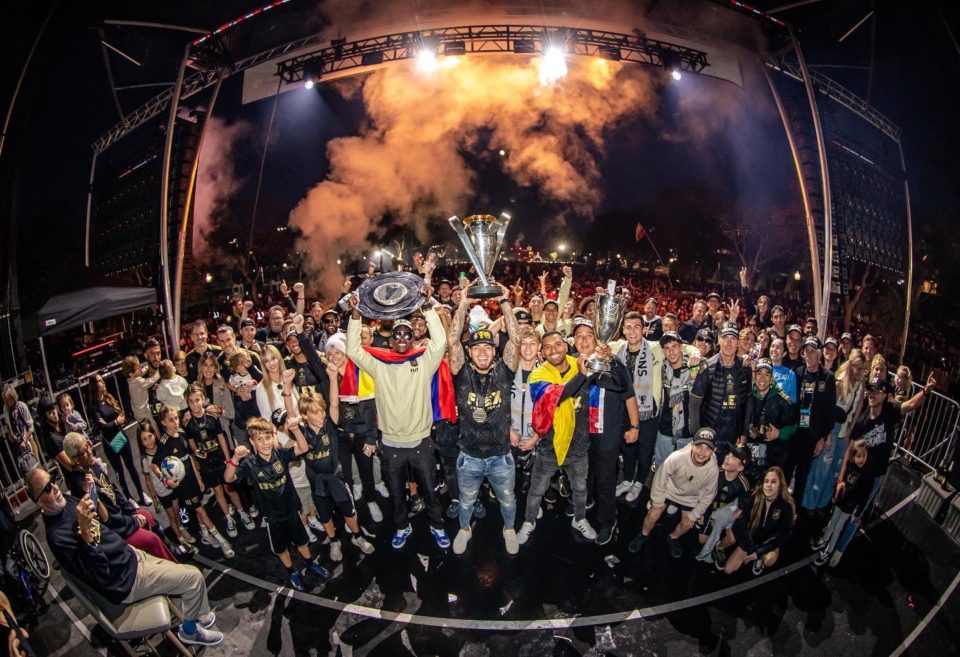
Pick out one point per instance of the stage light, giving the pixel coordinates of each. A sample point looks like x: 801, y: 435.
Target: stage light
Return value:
x: 209, y: 278
x: 502, y: 152
x: 427, y: 61
x: 671, y: 62
x: 796, y: 276
x: 312, y: 70
x: 308, y: 84
x: 553, y: 66
x: 610, y: 52
x: 561, y: 247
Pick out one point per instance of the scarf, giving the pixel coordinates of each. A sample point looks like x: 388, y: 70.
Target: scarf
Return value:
x: 521, y: 405
x: 356, y: 384
x: 642, y: 376
x: 675, y: 389
x: 441, y: 388
x: 546, y: 386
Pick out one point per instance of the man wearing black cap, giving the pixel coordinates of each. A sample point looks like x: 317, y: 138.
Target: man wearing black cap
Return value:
x: 817, y: 397
x: 248, y: 336
x: 330, y: 325
x: 769, y: 413
x: 698, y: 320
x: 198, y: 334
x: 720, y: 392
x: 304, y: 360
x: 673, y: 411
x: 794, y: 357
x: 483, y: 387
x: 733, y: 488
x: 687, y: 480
x: 713, y: 305
x: 608, y: 428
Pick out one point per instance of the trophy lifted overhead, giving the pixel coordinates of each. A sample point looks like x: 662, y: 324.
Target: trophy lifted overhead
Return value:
x: 482, y: 237
x: 607, y: 318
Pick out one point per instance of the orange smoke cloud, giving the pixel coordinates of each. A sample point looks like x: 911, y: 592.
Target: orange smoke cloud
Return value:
x: 408, y: 160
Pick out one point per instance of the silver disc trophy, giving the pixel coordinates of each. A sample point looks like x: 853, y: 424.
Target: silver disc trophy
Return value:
x: 482, y: 237
x: 607, y: 317
x: 390, y: 296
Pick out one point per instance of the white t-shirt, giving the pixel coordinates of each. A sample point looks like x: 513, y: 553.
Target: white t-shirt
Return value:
x: 298, y: 469
x: 146, y: 465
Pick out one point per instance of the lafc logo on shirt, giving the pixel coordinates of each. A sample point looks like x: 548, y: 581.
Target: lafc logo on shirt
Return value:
x: 278, y: 467
x: 776, y: 514
x: 492, y: 399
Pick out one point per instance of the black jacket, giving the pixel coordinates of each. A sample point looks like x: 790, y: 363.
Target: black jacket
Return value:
x: 773, y: 530
x: 707, y: 398
x: 822, y: 412
x: 774, y: 409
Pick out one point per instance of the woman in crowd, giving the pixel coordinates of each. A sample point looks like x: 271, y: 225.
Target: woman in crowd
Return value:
x: 217, y: 398
x: 764, y: 525
x: 745, y: 342
x: 903, y: 384
x: 52, y: 431
x: 826, y: 464
x: 109, y: 419
x: 20, y: 429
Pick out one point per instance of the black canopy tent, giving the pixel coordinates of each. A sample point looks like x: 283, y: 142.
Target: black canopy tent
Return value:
x: 66, y: 311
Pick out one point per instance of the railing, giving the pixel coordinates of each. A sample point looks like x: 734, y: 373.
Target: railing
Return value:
x: 929, y: 435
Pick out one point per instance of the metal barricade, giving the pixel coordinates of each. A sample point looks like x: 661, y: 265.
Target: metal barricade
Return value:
x: 929, y: 435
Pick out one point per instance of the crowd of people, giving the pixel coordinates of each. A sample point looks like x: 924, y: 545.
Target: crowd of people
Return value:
x: 727, y: 410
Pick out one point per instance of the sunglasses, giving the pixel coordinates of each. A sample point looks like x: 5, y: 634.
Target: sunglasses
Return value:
x: 43, y: 491
x: 401, y: 335
x: 330, y: 320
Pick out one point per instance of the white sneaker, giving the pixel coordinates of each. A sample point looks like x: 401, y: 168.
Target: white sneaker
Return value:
x: 375, y: 514
x: 362, y: 544
x: 206, y: 538
x: 231, y: 527
x: 382, y: 489
x: 147, y: 500
x: 315, y: 523
x: 623, y: 487
x: 583, y: 526
x: 202, y: 637
x: 226, y: 547
x: 357, y: 492
x: 835, y: 558
x: 510, y: 541
x: 310, y: 535
x: 525, y: 530
x: 634, y: 492
x: 336, y: 553
x: 539, y: 512
x: 187, y: 536
x: 460, y: 542
x: 246, y: 520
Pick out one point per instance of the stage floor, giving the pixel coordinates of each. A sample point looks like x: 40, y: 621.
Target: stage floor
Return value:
x: 562, y: 596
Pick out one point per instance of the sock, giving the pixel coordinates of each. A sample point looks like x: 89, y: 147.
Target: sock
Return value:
x: 189, y: 627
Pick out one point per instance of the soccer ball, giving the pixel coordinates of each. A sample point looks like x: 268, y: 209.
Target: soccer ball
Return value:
x: 172, y: 468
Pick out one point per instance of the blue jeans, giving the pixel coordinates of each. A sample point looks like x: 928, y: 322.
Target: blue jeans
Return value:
x: 850, y: 529
x: 500, y: 471
x: 667, y: 445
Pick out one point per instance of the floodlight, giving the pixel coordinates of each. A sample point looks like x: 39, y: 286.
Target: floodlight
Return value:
x: 553, y: 66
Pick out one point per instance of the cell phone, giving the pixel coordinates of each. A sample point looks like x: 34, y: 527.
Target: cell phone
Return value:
x: 94, y: 496
x: 25, y: 646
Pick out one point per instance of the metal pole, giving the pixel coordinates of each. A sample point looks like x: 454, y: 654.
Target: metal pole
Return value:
x: 811, y: 228
x: 909, y: 295
x: 185, y: 220
x: 86, y: 230
x: 823, y: 315
x: 165, y: 202
x: 263, y: 161
x: 46, y: 369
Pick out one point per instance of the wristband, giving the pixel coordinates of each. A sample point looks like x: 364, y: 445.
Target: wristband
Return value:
x: 635, y: 426
x: 286, y: 394
x: 232, y: 463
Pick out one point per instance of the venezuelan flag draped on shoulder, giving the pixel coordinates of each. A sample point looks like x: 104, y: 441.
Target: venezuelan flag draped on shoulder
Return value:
x: 357, y: 384
x: 546, y: 387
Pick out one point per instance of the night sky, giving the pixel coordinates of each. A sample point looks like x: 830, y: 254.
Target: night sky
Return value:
x: 66, y: 103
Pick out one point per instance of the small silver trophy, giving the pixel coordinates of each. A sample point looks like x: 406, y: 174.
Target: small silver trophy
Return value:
x: 482, y: 237
x: 607, y: 317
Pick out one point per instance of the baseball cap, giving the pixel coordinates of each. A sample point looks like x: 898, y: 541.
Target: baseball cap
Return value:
x: 729, y: 328
x: 794, y: 327
x: 291, y: 333
x: 522, y: 315
x: 578, y: 322
x: 763, y: 364
x: 831, y: 340
x: 706, y: 335
x: 45, y: 404
x: 743, y: 454
x: 713, y: 295
x: 398, y: 323
x: 481, y: 336
x: 668, y: 337
x: 279, y: 418
x: 879, y: 384
x: 776, y: 308
x: 244, y: 323
x: 330, y: 311
x: 547, y: 302
x: 812, y: 341
x: 706, y: 436
x: 846, y: 336
x: 416, y: 314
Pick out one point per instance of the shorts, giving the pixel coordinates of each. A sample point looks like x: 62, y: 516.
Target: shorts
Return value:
x: 282, y: 533
x: 333, y: 493
x: 306, y: 500
x: 189, y: 492
x: 167, y: 501
x: 212, y: 473
x: 667, y: 502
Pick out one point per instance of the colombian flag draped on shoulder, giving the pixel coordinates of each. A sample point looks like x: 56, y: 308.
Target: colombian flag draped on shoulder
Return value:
x: 357, y: 384
x: 546, y: 386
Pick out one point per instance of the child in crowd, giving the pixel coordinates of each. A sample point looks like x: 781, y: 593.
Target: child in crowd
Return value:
x: 244, y: 378
x: 764, y: 525
x: 267, y: 471
x: 163, y: 496
x: 172, y: 386
x: 208, y: 444
x: 851, y: 497
x: 716, y: 524
x: 323, y: 465
x: 189, y: 491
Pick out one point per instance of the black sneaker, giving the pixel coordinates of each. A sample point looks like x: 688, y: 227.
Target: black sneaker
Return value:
x: 719, y: 558
x: 817, y: 544
x: 606, y: 533
x: 637, y: 543
x: 676, y: 550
